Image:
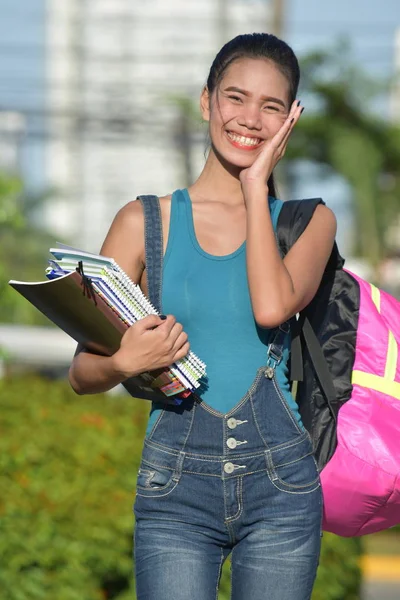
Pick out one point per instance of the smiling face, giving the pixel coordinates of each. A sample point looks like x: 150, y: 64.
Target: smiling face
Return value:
x: 249, y: 106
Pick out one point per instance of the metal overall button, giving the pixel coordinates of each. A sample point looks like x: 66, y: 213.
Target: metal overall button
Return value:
x: 232, y: 423
x: 229, y: 467
x: 231, y: 443
x: 269, y: 372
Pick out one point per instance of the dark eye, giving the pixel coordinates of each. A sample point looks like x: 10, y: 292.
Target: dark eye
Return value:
x: 235, y: 98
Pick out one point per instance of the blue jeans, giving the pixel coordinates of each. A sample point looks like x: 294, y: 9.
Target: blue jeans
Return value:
x: 244, y: 483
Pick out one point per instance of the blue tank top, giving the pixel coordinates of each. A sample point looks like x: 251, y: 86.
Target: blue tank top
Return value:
x: 209, y: 296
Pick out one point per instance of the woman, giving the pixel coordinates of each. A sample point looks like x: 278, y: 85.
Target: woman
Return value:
x: 235, y: 472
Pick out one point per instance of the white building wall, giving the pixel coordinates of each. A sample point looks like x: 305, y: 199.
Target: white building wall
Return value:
x: 12, y: 130
x: 114, y: 69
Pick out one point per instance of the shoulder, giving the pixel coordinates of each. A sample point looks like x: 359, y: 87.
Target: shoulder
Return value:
x: 319, y: 233
x: 125, y: 239
x: 296, y: 217
x: 130, y: 218
x: 324, y: 217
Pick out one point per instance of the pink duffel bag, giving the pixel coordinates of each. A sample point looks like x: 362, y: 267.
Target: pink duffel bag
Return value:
x: 345, y: 358
x: 361, y: 482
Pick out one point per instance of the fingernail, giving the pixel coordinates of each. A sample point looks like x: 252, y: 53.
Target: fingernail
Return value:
x: 302, y: 110
x: 163, y: 317
x: 298, y: 104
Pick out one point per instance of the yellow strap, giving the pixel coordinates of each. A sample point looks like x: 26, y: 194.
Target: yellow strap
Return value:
x: 374, y: 382
x: 391, y: 358
x: 392, y: 351
x: 376, y: 297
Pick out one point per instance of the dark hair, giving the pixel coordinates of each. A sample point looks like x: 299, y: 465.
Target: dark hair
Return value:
x: 257, y: 45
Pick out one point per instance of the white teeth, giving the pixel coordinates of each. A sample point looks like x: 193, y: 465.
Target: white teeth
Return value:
x: 245, y: 141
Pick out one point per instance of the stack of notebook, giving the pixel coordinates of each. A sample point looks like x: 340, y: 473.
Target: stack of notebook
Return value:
x: 93, y: 300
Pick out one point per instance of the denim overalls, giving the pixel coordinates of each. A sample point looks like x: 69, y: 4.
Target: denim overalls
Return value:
x: 211, y: 484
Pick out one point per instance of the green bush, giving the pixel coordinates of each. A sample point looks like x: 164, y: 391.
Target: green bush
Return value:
x: 66, y: 492
x: 67, y: 485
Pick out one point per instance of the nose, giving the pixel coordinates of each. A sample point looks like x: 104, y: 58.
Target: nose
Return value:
x: 250, y: 117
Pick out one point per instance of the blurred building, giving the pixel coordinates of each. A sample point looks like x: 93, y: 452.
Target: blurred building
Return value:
x: 12, y: 130
x: 119, y: 75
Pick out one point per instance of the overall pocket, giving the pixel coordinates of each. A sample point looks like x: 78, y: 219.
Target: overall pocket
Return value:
x: 153, y: 480
x: 292, y: 467
x: 159, y: 472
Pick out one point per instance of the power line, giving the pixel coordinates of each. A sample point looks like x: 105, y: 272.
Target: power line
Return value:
x: 130, y: 17
x: 110, y: 88
x: 42, y: 47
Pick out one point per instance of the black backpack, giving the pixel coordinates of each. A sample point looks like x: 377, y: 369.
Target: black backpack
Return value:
x: 323, y: 337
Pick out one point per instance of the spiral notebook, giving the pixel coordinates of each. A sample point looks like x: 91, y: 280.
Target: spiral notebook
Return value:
x: 92, y: 299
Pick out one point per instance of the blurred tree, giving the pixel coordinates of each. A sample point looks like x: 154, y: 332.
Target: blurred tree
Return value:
x: 346, y: 138
x: 23, y: 249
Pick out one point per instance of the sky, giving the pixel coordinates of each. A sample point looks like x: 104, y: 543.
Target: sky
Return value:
x: 21, y: 67
x: 369, y: 25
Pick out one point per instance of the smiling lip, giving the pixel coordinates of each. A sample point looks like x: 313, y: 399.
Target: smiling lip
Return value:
x: 244, y: 142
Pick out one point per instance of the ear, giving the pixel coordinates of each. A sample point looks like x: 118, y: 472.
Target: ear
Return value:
x: 205, y: 104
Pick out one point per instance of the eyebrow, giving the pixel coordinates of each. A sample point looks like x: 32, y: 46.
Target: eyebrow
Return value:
x: 232, y: 88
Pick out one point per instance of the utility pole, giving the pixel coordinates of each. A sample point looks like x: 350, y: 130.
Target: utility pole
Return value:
x: 64, y: 106
x: 76, y: 133
x: 222, y: 22
x: 277, y: 20
x: 277, y: 17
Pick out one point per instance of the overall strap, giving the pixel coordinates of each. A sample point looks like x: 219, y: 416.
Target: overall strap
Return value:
x: 153, y: 240
x: 275, y: 348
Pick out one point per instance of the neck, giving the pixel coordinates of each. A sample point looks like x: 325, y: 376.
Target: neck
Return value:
x: 218, y: 181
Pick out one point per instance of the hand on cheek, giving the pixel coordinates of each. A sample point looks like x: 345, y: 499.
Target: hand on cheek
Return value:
x: 271, y: 152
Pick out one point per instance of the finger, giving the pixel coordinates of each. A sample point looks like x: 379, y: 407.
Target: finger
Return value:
x: 293, y: 109
x: 294, y: 117
x: 183, y: 351
x: 281, y: 147
x: 277, y: 144
x: 180, y: 341
x: 175, y: 333
x: 166, y: 325
x: 296, y: 113
x: 283, y: 132
x: 149, y: 322
x: 282, y: 135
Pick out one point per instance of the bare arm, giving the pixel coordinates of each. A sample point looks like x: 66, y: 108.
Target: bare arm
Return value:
x: 281, y: 288
x: 150, y: 343
x: 92, y: 374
